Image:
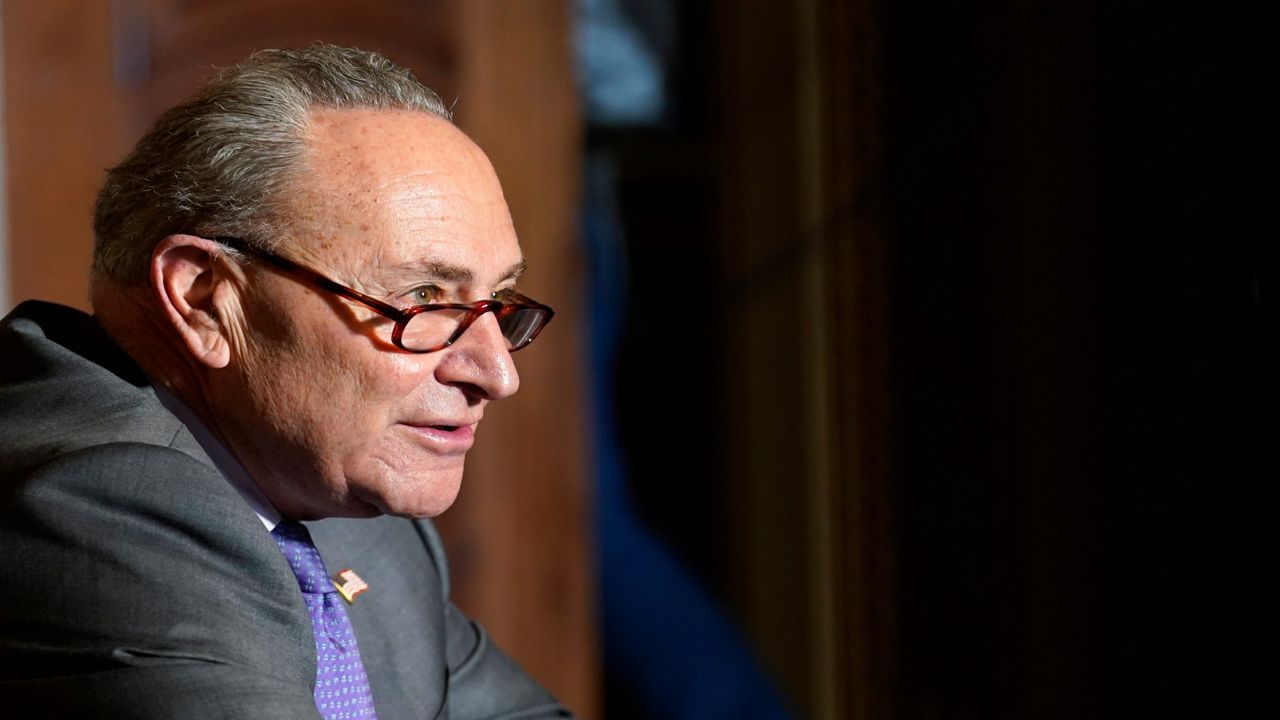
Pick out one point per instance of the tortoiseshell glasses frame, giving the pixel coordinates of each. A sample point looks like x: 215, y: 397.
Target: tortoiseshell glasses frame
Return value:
x: 520, y: 321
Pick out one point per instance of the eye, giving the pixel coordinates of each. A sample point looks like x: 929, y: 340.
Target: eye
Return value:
x: 424, y: 295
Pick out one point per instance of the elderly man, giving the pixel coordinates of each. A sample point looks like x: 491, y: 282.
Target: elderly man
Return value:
x: 304, y: 293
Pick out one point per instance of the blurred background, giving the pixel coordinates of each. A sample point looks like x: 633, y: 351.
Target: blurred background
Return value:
x: 910, y: 358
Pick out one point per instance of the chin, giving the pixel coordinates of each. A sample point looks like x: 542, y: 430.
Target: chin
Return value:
x: 421, y: 502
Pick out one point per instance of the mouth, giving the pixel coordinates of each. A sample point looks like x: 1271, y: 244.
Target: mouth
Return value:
x: 445, y: 437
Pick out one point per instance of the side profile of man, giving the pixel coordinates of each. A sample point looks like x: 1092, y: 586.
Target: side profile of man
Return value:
x: 304, y: 296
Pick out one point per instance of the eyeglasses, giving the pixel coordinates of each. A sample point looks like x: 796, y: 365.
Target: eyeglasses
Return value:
x: 422, y: 328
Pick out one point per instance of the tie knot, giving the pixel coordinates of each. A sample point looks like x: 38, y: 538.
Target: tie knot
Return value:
x: 304, y: 559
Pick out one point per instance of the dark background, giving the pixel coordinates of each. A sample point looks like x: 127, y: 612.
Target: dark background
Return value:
x: 1078, y: 325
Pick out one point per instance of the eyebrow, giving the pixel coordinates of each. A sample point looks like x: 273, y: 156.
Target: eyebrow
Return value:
x: 449, y: 272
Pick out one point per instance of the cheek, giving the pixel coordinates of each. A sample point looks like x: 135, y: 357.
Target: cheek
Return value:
x: 390, y: 386
x: 400, y: 478
x: 363, y: 394
x: 300, y: 386
x: 330, y: 389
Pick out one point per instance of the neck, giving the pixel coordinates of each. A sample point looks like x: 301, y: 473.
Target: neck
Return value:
x: 141, y: 329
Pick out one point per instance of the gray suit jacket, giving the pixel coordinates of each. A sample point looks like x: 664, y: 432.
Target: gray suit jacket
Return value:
x: 139, y: 584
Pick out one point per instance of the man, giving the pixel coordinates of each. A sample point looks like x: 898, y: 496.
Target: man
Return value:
x: 304, y: 295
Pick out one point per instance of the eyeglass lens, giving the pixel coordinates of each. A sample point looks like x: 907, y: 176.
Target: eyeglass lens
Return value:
x: 433, y: 328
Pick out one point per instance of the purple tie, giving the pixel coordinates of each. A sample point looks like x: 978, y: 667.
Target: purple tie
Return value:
x: 342, y: 688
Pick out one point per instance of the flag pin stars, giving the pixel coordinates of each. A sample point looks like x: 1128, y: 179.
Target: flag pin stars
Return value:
x: 349, y: 584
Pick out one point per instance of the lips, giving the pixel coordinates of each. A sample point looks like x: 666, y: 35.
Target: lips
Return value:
x: 445, y: 437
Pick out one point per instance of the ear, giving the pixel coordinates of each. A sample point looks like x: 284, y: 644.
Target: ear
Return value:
x: 188, y: 279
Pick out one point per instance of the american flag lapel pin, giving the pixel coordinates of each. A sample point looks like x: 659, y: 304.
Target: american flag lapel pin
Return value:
x: 349, y: 584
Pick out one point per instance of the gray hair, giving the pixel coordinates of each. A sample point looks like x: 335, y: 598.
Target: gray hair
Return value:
x: 219, y: 163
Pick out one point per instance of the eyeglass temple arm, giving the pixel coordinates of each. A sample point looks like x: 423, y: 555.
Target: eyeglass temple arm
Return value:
x: 382, y: 308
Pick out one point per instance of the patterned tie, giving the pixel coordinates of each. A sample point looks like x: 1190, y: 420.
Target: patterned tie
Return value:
x: 342, y: 688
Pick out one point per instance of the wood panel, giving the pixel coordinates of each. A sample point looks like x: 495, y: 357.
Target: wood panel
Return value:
x: 778, y: 460
x: 519, y: 103
x: 807, y: 379
x: 848, y: 125
x: 166, y: 47
x: 60, y: 115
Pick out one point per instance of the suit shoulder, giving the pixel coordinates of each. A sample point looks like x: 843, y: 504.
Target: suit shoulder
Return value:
x: 65, y: 386
x: 120, y: 478
x: 140, y: 556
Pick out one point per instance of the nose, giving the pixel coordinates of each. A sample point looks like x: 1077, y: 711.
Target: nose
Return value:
x: 479, y: 362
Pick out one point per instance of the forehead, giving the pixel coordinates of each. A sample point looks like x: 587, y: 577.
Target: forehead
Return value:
x: 397, y: 188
